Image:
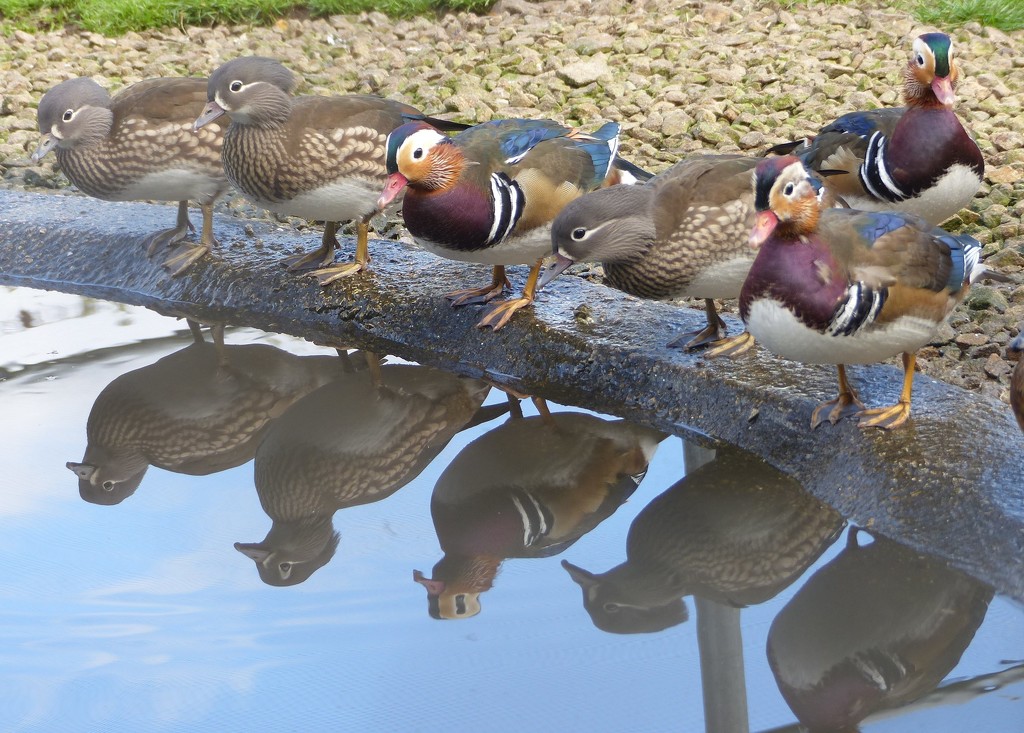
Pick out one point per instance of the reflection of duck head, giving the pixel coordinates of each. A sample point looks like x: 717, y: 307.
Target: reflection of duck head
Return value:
x: 109, y: 476
x: 197, y: 411
x: 735, y: 531
x: 292, y: 551
x: 354, y: 441
x: 460, y: 597
x: 616, y: 613
x: 877, y: 627
x: 529, y: 488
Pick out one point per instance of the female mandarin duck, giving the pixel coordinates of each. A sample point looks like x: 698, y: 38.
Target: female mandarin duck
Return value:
x: 489, y: 194
x: 919, y: 159
x: 319, y: 158
x: 682, y: 234
x: 138, y: 145
x: 840, y: 286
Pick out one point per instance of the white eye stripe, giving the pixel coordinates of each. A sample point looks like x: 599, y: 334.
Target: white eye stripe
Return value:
x: 588, y: 232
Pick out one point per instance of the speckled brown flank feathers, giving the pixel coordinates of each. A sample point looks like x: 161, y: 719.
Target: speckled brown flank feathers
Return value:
x: 159, y: 100
x: 324, y: 139
x: 703, y: 211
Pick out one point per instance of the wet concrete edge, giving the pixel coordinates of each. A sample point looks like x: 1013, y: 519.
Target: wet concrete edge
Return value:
x: 951, y: 482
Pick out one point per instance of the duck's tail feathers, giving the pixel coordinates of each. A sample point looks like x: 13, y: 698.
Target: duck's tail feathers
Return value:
x: 630, y: 173
x: 442, y: 125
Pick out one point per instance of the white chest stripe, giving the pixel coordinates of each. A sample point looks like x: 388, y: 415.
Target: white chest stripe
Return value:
x: 862, y: 305
x: 507, y: 201
x: 874, y: 174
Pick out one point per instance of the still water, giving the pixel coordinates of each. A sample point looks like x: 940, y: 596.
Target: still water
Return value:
x: 276, y: 538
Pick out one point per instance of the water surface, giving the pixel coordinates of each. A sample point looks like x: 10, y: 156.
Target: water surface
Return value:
x: 258, y: 574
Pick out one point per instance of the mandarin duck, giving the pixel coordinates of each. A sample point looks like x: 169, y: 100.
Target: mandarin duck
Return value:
x: 354, y: 441
x: 918, y: 159
x: 1017, y: 380
x: 138, y: 145
x: 841, y: 286
x: 489, y: 193
x: 198, y: 411
x: 315, y: 157
x: 876, y: 628
x: 735, y: 531
x: 529, y: 488
x: 681, y: 234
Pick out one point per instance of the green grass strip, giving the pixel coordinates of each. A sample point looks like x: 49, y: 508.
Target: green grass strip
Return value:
x: 1006, y: 15
x: 115, y: 17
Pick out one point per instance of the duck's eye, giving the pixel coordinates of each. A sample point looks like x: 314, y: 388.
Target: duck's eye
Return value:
x: 788, y: 190
x: 417, y: 154
x: 108, y: 485
x: 611, y: 607
x: 285, y: 569
x: 578, y: 234
x: 68, y: 114
x: 235, y: 86
x: 920, y: 60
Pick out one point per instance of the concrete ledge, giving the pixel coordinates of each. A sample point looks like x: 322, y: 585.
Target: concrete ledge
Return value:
x: 950, y: 482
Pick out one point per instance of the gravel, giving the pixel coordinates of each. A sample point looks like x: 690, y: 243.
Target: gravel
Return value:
x: 681, y: 76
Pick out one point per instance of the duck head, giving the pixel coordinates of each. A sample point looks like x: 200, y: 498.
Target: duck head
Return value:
x: 421, y: 157
x: 788, y: 199
x: 75, y: 112
x: 931, y: 74
x: 253, y: 90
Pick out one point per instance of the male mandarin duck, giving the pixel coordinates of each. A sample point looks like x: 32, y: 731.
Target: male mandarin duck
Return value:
x: 876, y: 628
x: 840, y: 286
x: 1017, y: 380
x: 529, y: 488
x: 918, y: 159
x: 315, y: 157
x: 735, y: 531
x: 681, y: 234
x: 138, y: 145
x: 489, y: 193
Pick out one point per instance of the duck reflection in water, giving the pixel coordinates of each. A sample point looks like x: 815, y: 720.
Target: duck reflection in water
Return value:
x: 876, y: 628
x: 735, y: 531
x: 197, y: 411
x: 529, y: 488
x: 354, y: 441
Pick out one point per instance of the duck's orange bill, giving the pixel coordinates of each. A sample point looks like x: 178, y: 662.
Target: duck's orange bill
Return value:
x: 943, y: 88
x: 764, y: 225
x: 394, y: 185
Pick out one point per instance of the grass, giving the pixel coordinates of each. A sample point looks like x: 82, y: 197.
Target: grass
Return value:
x: 1006, y: 15
x: 114, y: 17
